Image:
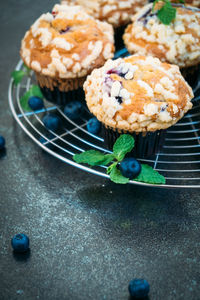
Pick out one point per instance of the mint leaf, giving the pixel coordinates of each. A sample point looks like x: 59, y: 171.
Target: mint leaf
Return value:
x: 33, y: 91
x: 17, y: 76
x: 122, y: 146
x: 167, y: 13
x: 149, y: 175
x: 93, y: 158
x: 117, y: 177
x: 182, y: 1
x: 109, y: 169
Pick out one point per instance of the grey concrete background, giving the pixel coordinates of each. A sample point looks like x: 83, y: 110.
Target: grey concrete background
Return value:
x: 88, y: 237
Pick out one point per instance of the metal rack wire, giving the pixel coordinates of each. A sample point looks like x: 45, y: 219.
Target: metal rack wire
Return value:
x: 179, y: 160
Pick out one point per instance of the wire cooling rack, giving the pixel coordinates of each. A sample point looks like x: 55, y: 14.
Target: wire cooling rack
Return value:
x: 179, y: 160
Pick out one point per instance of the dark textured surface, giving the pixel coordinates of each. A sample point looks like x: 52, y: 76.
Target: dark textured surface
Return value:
x: 88, y: 236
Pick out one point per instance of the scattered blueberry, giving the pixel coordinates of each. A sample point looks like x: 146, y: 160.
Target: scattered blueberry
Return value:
x: 35, y: 103
x: 139, y: 288
x: 20, y: 242
x: 51, y: 121
x: 130, y: 167
x: 93, y: 125
x: 2, y: 142
x: 73, y: 110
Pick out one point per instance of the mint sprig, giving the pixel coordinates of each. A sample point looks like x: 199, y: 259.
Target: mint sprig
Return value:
x: 18, y: 75
x: 123, y: 145
x: 93, y: 158
x: 33, y: 91
x: 149, y: 175
x: 167, y: 13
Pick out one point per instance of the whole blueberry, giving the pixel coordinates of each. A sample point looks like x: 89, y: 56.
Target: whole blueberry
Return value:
x: 20, y: 242
x: 51, y: 121
x: 130, y: 167
x: 93, y: 125
x: 139, y: 288
x: 73, y: 110
x: 35, y: 103
x: 2, y: 142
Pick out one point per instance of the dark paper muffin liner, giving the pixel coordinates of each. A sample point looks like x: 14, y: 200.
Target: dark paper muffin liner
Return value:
x: 61, y: 98
x: 119, y: 43
x: 145, y: 145
x: 191, y: 74
x: 61, y: 91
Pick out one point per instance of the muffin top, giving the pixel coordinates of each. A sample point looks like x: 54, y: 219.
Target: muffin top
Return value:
x: 137, y: 94
x: 115, y: 12
x: 177, y: 43
x: 67, y: 43
x: 195, y: 3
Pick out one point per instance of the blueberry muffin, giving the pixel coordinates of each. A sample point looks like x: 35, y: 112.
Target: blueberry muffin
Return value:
x: 195, y: 3
x: 177, y: 43
x: 117, y: 13
x: 63, y: 47
x: 137, y: 95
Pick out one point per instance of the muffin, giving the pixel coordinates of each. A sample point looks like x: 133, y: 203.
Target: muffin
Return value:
x: 117, y: 13
x: 195, y: 3
x: 177, y: 43
x: 63, y: 47
x: 137, y: 95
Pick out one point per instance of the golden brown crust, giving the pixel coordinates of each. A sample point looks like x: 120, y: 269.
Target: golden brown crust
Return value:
x: 115, y: 12
x: 138, y: 94
x: 68, y: 43
x: 177, y: 43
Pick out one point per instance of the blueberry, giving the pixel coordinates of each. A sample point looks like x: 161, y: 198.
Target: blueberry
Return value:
x: 51, y: 122
x: 20, y: 242
x: 73, y: 110
x: 35, y: 103
x: 130, y: 167
x: 139, y: 288
x: 2, y: 142
x: 93, y: 125
x: 65, y: 30
x: 119, y: 99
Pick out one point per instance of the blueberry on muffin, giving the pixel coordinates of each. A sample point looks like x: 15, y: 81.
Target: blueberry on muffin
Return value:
x: 138, y: 95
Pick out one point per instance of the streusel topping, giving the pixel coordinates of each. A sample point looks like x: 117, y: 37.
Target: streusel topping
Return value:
x: 115, y: 12
x: 138, y: 94
x: 177, y: 43
x: 67, y: 43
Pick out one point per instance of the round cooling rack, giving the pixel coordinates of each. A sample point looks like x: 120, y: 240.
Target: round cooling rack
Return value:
x: 179, y: 160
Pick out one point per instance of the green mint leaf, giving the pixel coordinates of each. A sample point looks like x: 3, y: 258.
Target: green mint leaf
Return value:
x: 149, y: 175
x: 33, y: 91
x: 93, y: 158
x: 18, y: 76
x: 109, y: 169
x: 167, y: 13
x: 107, y: 159
x: 117, y: 177
x: 182, y: 1
x: 123, y: 145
